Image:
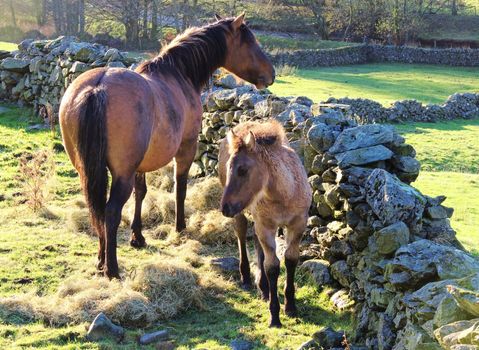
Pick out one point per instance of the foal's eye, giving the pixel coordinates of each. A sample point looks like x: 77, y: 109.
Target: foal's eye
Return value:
x: 242, y: 171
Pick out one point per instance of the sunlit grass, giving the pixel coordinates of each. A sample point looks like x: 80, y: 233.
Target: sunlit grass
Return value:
x: 384, y: 83
x: 8, y: 46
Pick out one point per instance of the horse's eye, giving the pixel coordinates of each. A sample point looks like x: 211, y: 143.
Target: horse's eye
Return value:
x: 242, y: 171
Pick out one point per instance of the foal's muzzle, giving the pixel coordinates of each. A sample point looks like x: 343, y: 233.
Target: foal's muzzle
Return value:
x: 230, y: 210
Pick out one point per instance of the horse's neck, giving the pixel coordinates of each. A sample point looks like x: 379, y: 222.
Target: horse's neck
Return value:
x: 281, y: 179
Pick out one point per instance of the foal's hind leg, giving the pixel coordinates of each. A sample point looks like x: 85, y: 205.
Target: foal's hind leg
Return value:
x: 266, y: 237
x: 120, y: 192
x: 291, y: 256
x: 262, y: 280
x: 137, y: 240
x: 241, y: 227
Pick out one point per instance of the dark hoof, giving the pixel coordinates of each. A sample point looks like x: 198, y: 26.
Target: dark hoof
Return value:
x: 111, y: 275
x: 180, y: 228
x: 276, y: 324
x: 138, y: 243
x: 291, y: 312
x: 246, y: 286
x: 264, y: 295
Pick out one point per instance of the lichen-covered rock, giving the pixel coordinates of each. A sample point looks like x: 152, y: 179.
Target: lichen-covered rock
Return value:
x: 392, y: 237
x: 362, y: 156
x: 424, y: 261
x: 362, y: 136
x: 460, y: 332
x: 393, y: 201
x: 15, y: 65
x: 318, y: 270
x: 467, y: 300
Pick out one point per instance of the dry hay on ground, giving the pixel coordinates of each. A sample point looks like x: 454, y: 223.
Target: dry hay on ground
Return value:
x: 161, y: 289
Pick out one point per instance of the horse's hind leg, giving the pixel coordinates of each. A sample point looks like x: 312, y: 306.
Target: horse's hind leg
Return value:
x: 241, y: 227
x: 291, y: 256
x: 137, y: 240
x: 262, y: 280
x: 100, y: 229
x: 120, y: 192
x: 183, y: 160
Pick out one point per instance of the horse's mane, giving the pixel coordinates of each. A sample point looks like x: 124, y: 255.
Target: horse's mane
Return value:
x: 268, y: 135
x: 195, y: 54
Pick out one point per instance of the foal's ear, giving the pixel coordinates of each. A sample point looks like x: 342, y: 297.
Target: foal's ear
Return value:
x: 231, y: 137
x: 238, y: 21
x: 218, y: 17
x: 250, y: 141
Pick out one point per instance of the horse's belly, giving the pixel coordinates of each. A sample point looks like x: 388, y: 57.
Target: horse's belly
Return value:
x: 160, y: 152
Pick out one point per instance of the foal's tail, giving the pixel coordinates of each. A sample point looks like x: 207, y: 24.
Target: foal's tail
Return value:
x: 92, y: 146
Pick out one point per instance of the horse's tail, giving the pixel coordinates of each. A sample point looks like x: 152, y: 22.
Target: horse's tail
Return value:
x: 92, y: 146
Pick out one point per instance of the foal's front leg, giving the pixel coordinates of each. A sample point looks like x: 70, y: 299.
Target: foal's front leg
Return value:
x: 183, y: 160
x: 241, y: 228
x: 137, y: 240
x: 266, y: 237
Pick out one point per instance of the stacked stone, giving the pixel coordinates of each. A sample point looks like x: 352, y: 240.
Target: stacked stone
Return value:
x: 40, y: 71
x: 228, y: 104
x: 457, y: 106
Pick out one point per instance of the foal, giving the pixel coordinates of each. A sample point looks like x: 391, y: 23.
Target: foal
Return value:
x: 261, y: 174
x: 135, y: 122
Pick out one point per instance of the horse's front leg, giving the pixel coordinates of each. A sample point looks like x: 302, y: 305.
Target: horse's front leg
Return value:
x: 183, y: 160
x: 137, y: 240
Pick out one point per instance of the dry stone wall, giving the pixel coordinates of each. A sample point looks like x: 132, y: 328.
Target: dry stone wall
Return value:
x: 40, y: 71
x: 376, y: 53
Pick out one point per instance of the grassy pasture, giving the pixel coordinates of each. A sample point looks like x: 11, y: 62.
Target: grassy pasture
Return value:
x: 40, y: 252
x: 7, y: 46
x: 448, y: 152
x: 383, y: 82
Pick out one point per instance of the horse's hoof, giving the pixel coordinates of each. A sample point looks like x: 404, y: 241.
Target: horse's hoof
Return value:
x: 100, y: 265
x: 111, y: 275
x: 137, y: 244
x: 291, y: 312
x: 275, y: 324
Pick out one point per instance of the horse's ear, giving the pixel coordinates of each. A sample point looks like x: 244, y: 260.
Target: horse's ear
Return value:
x: 250, y: 141
x: 218, y: 17
x: 238, y: 21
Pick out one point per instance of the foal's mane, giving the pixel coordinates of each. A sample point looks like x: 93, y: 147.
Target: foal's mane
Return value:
x: 268, y: 135
x: 195, y: 54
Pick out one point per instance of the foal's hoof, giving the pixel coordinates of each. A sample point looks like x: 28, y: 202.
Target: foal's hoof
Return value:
x: 100, y: 265
x: 275, y: 324
x: 135, y: 243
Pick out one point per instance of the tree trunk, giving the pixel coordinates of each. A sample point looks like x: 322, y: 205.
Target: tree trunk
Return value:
x: 154, y: 20
x: 454, y: 7
x: 145, y: 20
x: 81, y: 16
x: 12, y: 11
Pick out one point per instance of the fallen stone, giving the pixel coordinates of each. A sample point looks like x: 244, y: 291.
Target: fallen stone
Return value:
x: 309, y: 345
x: 226, y: 264
x: 328, y: 338
x: 149, y: 338
x: 241, y: 344
x: 102, y: 327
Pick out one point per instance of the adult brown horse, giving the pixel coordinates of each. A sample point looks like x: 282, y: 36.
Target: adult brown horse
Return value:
x: 135, y: 122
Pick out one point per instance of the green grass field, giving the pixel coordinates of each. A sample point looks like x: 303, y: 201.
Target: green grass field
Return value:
x: 39, y: 251
x: 384, y: 83
x: 448, y: 152
x: 7, y: 46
